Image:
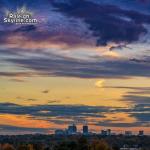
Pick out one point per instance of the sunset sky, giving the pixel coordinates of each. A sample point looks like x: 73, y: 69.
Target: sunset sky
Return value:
x: 84, y: 61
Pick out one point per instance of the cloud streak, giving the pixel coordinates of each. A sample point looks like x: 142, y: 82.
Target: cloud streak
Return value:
x: 64, y: 66
x: 59, y: 114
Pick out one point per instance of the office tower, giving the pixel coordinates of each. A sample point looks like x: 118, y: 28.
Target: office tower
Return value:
x: 85, y: 129
x: 128, y: 133
x: 59, y: 132
x: 141, y: 133
x: 103, y: 132
x: 72, y: 129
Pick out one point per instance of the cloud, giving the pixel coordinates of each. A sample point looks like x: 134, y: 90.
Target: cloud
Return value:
x: 9, y: 129
x: 137, y: 99
x: 29, y: 28
x: 136, y: 5
x: 142, y: 117
x: 53, y: 110
x: 53, y: 101
x: 128, y: 87
x: 77, y: 24
x: 21, y: 129
x: 52, y: 34
x: 17, y: 80
x: 16, y: 74
x: 65, y: 114
x: 32, y: 99
x: 56, y: 65
x: 39, y: 47
x: 145, y: 108
x: 99, y: 83
x: 45, y: 91
x: 42, y: 63
x: 129, y: 23
x: 121, y: 124
x: 133, y: 90
x: 71, y: 25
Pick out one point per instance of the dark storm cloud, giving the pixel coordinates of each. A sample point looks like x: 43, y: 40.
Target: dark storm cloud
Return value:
x: 138, y: 5
x: 28, y: 28
x: 109, y: 23
x: 34, y: 4
x: 81, y: 23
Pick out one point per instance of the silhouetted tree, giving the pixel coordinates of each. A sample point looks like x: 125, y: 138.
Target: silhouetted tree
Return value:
x: 38, y: 146
x: 73, y: 145
x: 82, y: 144
x: 7, y: 147
x: 23, y: 147
x: 115, y: 147
x: 61, y: 146
x: 99, y: 145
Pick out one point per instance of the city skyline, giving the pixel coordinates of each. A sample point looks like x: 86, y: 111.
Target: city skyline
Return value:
x: 80, y: 61
x: 86, y: 131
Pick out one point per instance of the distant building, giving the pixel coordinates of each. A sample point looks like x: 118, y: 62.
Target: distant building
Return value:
x: 72, y: 129
x: 126, y: 147
x: 128, y: 133
x: 85, y: 130
x: 141, y: 133
x: 130, y: 149
x: 109, y: 132
x: 103, y: 132
x: 59, y: 132
x: 106, y: 132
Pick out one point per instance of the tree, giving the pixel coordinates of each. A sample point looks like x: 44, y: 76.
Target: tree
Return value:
x: 7, y: 147
x: 38, y: 146
x: 82, y: 144
x: 115, y: 147
x: 72, y: 145
x: 23, y: 147
x: 99, y: 145
x: 62, y: 146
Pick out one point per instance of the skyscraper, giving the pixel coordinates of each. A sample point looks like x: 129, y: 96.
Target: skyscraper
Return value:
x: 103, y: 132
x: 128, y: 133
x: 109, y: 132
x: 85, y: 129
x: 141, y: 133
x: 72, y: 129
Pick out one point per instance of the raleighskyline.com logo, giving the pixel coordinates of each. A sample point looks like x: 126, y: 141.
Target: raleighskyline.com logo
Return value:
x: 21, y: 16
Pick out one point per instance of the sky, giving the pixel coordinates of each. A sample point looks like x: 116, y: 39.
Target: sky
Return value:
x: 84, y: 61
